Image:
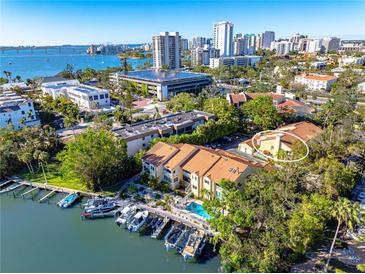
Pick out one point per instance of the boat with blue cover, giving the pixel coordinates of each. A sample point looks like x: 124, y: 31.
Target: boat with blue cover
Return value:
x: 68, y: 200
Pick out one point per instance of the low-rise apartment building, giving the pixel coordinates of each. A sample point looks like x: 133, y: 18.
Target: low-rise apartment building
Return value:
x: 139, y: 135
x: 316, y: 81
x: 270, y: 143
x: 350, y: 60
x: 197, y: 168
x: 85, y: 96
x: 282, y: 103
x: 16, y: 111
x: 164, y: 83
x: 242, y: 61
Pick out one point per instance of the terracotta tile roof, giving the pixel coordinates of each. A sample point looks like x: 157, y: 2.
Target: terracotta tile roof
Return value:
x: 201, y: 162
x: 160, y: 153
x: 303, y: 130
x: 237, y: 98
x: 226, y: 168
x: 290, y: 103
x: 273, y: 95
x: 318, y: 77
x: 185, y: 151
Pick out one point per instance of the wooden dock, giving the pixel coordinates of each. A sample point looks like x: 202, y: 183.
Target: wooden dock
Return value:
x: 48, y: 195
x: 178, y: 217
x: 11, y: 188
x: 5, y: 183
x: 29, y: 191
x: 52, y: 188
x: 157, y: 233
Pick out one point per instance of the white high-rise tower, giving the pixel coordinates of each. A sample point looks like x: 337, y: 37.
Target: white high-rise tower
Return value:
x: 167, y: 50
x: 223, y: 38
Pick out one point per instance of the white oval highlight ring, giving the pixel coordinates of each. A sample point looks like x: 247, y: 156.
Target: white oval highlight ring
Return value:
x: 275, y: 159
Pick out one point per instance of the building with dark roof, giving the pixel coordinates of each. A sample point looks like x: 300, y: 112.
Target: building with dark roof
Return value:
x: 164, y: 83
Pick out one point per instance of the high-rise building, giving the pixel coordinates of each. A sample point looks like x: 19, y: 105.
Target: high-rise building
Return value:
x: 167, y: 50
x: 282, y: 47
x: 296, y: 38
x: 258, y: 41
x: 184, y: 44
x: 303, y: 44
x: 244, y: 45
x: 200, y: 56
x: 250, y: 44
x: 223, y: 38
x: 267, y: 38
x: 315, y: 45
x: 198, y: 42
x: 330, y: 43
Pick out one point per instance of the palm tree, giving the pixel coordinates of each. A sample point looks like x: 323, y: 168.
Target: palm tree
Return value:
x: 8, y: 75
x: 346, y: 212
x: 42, y: 157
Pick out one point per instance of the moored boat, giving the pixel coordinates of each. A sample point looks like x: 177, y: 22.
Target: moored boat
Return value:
x: 126, y: 214
x: 193, y: 244
x: 68, y: 200
x: 138, y: 220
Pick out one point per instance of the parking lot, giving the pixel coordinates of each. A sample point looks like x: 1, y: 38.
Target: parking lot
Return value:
x: 228, y: 142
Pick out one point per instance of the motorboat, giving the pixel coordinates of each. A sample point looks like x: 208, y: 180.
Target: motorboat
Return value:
x: 193, y: 245
x: 138, y: 220
x: 68, y: 200
x: 174, y: 236
x: 183, y: 240
x: 126, y: 214
x: 103, y: 207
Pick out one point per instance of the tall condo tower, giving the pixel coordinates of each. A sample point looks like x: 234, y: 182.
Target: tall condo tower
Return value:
x: 223, y: 38
x: 167, y: 50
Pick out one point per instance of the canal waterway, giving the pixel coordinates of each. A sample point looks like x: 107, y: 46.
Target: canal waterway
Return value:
x: 44, y: 238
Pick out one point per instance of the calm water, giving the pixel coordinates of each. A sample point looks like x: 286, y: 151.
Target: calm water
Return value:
x: 44, y: 238
x: 40, y: 62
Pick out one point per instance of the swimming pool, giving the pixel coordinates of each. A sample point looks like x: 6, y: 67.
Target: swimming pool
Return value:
x: 198, y: 209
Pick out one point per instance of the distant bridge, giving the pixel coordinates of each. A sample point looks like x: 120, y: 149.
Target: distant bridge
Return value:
x: 45, y: 48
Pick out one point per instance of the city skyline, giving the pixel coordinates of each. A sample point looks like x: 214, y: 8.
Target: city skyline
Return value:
x: 84, y: 22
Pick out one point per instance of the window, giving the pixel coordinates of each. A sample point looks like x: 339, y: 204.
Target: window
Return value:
x: 90, y: 98
x: 101, y: 96
x: 106, y: 96
x: 143, y: 145
x: 143, y: 138
x: 96, y: 97
x: 29, y: 104
x: 23, y: 112
x: 152, y: 136
x: 218, y: 194
x: 195, y: 187
x: 206, y: 182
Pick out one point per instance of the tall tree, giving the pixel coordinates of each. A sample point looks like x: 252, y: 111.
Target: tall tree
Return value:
x: 346, y: 212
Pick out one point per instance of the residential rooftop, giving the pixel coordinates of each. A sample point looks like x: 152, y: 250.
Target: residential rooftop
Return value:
x: 85, y: 89
x: 318, y: 77
x: 10, y: 101
x: 163, y: 125
x: 161, y: 76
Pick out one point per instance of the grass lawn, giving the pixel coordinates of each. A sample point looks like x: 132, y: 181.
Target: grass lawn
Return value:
x: 54, y: 177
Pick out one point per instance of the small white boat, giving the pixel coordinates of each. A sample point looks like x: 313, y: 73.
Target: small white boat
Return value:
x: 126, y: 214
x: 138, y: 220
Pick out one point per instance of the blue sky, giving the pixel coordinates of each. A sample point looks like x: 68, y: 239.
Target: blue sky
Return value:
x: 55, y: 22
